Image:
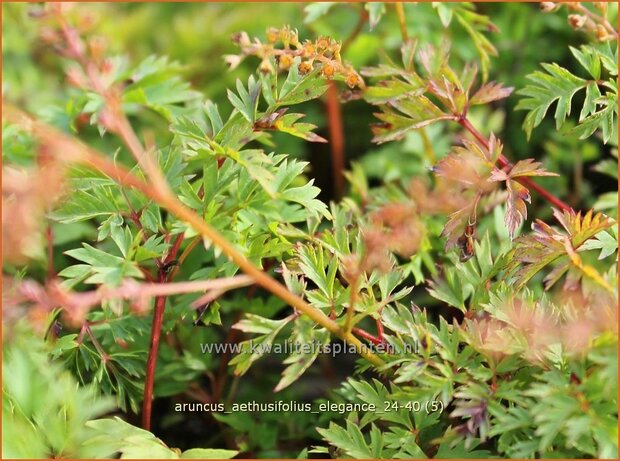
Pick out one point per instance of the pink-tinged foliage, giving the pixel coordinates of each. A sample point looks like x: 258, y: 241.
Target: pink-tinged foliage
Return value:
x: 545, y: 245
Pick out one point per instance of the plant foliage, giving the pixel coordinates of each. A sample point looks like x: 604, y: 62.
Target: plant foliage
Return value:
x: 181, y: 280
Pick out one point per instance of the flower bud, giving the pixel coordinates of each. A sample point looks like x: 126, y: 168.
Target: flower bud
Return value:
x: 305, y: 67
x: 284, y: 62
x: 328, y: 70
x: 272, y: 35
x: 241, y: 38
x: 322, y: 43
x: 352, y: 80
x: 308, y: 49
x: 602, y: 34
x: 577, y: 21
x: 232, y: 60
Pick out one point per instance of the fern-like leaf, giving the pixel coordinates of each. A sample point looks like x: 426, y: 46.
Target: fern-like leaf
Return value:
x: 556, y: 84
x: 545, y: 245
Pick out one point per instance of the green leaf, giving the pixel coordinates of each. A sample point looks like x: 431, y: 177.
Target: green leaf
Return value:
x: 349, y: 440
x: 604, y: 119
x: 405, y: 442
x: 448, y: 290
x: 308, y: 339
x: 557, y: 84
x: 444, y: 11
x: 132, y: 442
x: 451, y: 451
x: 288, y: 124
x: 44, y: 409
x: 157, y: 85
x: 214, y: 117
x: 475, y: 24
x: 589, y: 58
x: 247, y: 100
x: 255, y: 348
x: 297, y: 88
x: 86, y: 204
x: 305, y: 196
x: 393, y: 90
x: 589, y: 105
x: 123, y: 239
x: 107, y: 268
x: 415, y: 112
x: 605, y: 241
x: 319, y: 267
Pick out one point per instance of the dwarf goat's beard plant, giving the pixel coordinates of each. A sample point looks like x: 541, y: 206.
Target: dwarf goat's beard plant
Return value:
x: 143, y: 225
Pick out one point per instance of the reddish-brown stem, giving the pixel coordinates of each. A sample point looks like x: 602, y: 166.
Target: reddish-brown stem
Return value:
x: 334, y: 117
x: 105, y: 358
x: 336, y: 138
x: 158, y: 320
x: 188, y: 249
x: 172, y: 254
x: 151, y: 363
x: 364, y: 334
x: 504, y: 162
x: 379, y: 329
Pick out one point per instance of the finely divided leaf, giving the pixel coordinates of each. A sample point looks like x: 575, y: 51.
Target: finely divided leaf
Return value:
x: 491, y: 91
x: 556, y: 84
x: 247, y: 100
x: 518, y: 194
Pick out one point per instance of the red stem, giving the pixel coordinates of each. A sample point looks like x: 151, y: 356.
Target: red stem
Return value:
x: 379, y: 329
x: 336, y: 138
x: 172, y: 254
x: 364, y: 334
x: 151, y: 363
x: 504, y: 162
x: 158, y: 320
